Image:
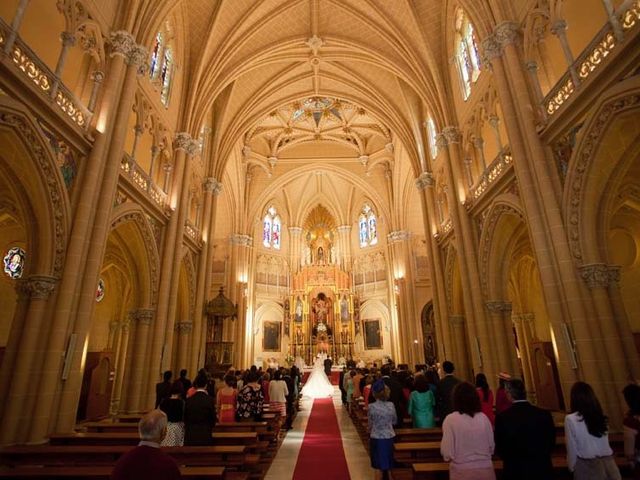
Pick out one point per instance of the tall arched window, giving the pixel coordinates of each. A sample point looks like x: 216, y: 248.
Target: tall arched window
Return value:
x: 467, y: 56
x: 162, y: 64
x: 368, y: 227
x: 271, y: 229
x: 431, y: 134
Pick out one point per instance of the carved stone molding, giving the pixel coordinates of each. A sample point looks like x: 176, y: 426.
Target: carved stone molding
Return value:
x: 212, y: 185
x: 182, y: 141
x: 456, y: 320
x: 344, y: 229
x: 425, y: 180
x: 143, y: 316
x: 498, y: 307
x: 241, y: 239
x: 294, y: 231
x: 441, y: 141
x: 364, y: 159
x: 192, y: 148
x: 184, y: 328
x: 398, y: 236
x: 491, y: 49
x: 523, y: 317
x: 37, y: 286
x: 137, y: 57
x: 314, y: 43
x: 121, y: 43
x: 599, y: 275
x: 68, y: 39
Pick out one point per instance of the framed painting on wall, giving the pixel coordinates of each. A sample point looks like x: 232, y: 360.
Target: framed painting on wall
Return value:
x: 272, y: 332
x: 372, y: 334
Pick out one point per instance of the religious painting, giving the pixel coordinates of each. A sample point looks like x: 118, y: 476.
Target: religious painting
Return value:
x: 344, y: 309
x: 298, y: 312
x: 14, y: 262
x: 100, y: 290
x: 372, y: 334
x: 271, y: 336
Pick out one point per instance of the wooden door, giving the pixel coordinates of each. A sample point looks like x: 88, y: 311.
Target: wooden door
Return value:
x: 545, y: 376
x: 97, y: 386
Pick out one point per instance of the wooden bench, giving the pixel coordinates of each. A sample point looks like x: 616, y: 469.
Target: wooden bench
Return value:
x: 235, y: 438
x: 100, y: 472
x: 418, y: 434
x: 106, y: 426
x: 222, y: 455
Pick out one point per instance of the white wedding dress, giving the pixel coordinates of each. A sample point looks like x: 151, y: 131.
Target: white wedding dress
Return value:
x: 318, y: 384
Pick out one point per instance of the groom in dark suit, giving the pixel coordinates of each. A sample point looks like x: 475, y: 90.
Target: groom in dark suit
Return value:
x: 525, y: 437
x: 327, y: 366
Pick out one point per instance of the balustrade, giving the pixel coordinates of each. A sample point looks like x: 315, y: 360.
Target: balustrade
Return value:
x: 141, y: 180
x: 493, y: 172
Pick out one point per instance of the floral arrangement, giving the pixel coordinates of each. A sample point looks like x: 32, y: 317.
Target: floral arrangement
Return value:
x: 289, y: 359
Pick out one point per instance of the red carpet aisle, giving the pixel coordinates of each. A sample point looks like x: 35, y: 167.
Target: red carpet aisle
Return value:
x: 334, y: 377
x: 321, y: 455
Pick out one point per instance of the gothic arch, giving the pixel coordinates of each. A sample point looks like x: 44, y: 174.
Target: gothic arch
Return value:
x: 606, y: 150
x: 129, y: 212
x: 38, y: 185
x: 502, y: 224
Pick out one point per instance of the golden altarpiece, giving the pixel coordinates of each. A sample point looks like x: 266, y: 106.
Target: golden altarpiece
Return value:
x: 321, y: 314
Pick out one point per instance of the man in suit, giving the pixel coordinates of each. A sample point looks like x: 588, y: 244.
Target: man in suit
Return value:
x: 525, y: 437
x: 395, y: 393
x: 327, y: 366
x: 199, y: 415
x: 444, y: 390
x: 163, y: 388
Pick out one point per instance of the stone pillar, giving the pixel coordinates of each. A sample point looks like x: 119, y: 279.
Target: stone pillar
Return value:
x: 504, y: 356
x: 138, y: 131
x: 344, y: 236
x: 158, y: 335
x: 494, y: 121
x: 184, y: 330
x: 241, y: 245
x: 212, y: 189
x: 524, y: 330
x: 460, y: 359
x: 121, y: 44
x: 97, y: 77
x: 532, y: 68
x: 478, y: 143
x: 15, y: 420
x: 121, y: 358
x: 68, y: 41
x: 15, y: 25
x: 559, y: 29
x: 425, y: 184
x: 295, y: 257
x: 613, y: 20
x: 141, y: 320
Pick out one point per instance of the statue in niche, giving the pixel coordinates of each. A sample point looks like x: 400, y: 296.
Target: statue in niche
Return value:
x: 321, y: 308
x: 298, y: 314
x: 344, y: 309
x: 320, y: 255
x: 332, y: 255
x: 307, y: 255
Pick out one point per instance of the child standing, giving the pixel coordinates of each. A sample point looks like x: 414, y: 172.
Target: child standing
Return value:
x: 382, y: 417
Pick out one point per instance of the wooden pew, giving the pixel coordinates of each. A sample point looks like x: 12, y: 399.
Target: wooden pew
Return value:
x: 418, y: 434
x: 98, y: 472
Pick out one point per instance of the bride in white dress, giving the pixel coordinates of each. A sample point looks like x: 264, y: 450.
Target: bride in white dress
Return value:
x: 318, y: 384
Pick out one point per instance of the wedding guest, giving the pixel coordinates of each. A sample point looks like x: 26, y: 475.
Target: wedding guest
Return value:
x: 226, y: 399
x: 173, y: 407
x: 421, y: 403
x: 445, y: 389
x: 486, y: 397
x: 382, y: 417
x: 502, y: 399
x: 350, y: 388
x: 432, y: 380
x: 357, y: 391
x: 266, y: 379
x: 631, y: 426
x: 467, y: 437
x: 589, y: 455
x: 278, y: 392
x: 366, y: 391
x: 147, y: 460
x: 250, y: 399
x: 186, y: 383
x: 163, y: 388
x: 199, y: 415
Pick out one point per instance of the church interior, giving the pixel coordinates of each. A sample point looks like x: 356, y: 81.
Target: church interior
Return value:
x: 227, y: 183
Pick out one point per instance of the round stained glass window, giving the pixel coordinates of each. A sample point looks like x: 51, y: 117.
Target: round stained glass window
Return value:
x: 14, y: 262
x: 100, y: 290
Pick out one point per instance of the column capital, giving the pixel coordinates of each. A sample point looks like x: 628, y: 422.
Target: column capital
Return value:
x: 144, y: 316
x: 297, y: 230
x: 182, y: 141
x: 241, y: 239
x: 599, y: 275
x: 491, y: 49
x: 344, y: 229
x: 523, y: 317
x: 494, y: 120
x: 558, y: 27
x: 456, y: 320
x: 507, y: 33
x: 532, y: 66
x: 97, y: 76
x: 398, y: 236
x: 478, y: 142
x: 68, y: 39
x: 452, y: 134
x: 121, y: 43
x: 37, y: 286
x: 184, y: 328
x: 137, y: 57
x: 424, y: 180
x: 212, y: 185
x: 498, y: 306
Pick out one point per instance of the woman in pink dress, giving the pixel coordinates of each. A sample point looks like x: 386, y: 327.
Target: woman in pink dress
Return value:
x: 486, y: 397
x: 226, y: 400
x: 502, y: 400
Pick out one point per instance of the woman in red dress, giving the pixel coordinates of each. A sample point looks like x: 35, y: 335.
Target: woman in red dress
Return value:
x: 486, y: 397
x: 226, y: 400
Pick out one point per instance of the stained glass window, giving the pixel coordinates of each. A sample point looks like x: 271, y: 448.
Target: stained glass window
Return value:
x: 100, y: 290
x: 166, y: 76
x: 466, y: 53
x: 431, y: 133
x: 14, y: 262
x: 154, y: 68
x: 272, y: 229
x: 368, y: 227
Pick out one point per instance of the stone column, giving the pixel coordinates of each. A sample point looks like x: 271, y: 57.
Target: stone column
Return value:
x: 138, y: 130
x: 504, y: 355
x: 97, y: 77
x: 136, y: 58
x: 121, y: 358
x: 141, y: 320
x: 478, y: 143
x: 460, y: 359
x: 15, y: 420
x: 532, y: 68
x: 15, y: 25
x: 158, y: 336
x: 494, y: 121
x: 614, y: 20
x: 68, y: 41
x: 559, y: 29
x: 344, y: 235
x: 212, y: 189
x: 295, y: 257
x: 121, y: 44
x: 184, y: 330
x: 523, y: 323
x: 425, y: 183
x: 241, y: 245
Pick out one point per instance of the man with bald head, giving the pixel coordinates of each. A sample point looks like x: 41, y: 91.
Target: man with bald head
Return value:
x: 147, y: 460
